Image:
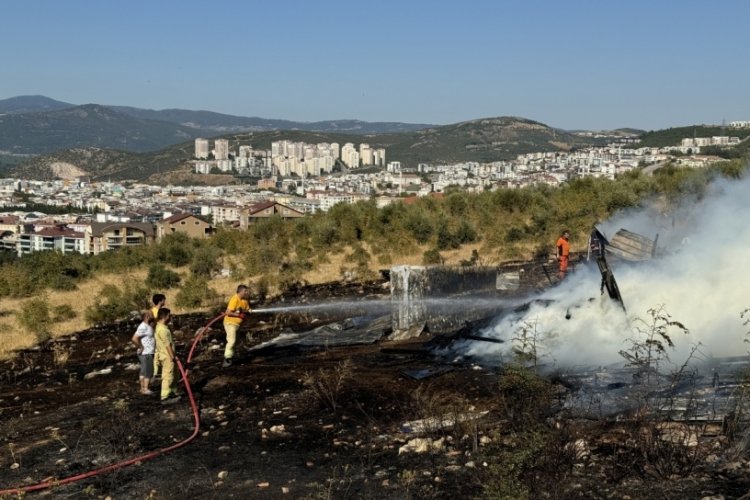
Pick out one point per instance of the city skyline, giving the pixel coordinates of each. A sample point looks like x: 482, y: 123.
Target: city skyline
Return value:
x: 583, y: 66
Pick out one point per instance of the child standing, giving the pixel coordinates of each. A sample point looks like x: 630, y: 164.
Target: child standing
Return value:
x: 165, y: 356
x: 143, y: 339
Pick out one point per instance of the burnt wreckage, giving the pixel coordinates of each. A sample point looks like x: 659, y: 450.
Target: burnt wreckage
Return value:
x: 626, y: 246
x: 461, y: 307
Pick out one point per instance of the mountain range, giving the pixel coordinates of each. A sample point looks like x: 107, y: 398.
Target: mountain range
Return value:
x: 38, y: 124
x: 488, y: 139
x: 117, y: 142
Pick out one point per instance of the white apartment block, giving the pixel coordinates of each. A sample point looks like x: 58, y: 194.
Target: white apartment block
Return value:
x: 221, y: 149
x: 203, y: 167
x: 394, y: 166
x: 740, y: 124
x: 365, y: 154
x: 201, y: 149
x: 719, y: 140
x: 349, y: 155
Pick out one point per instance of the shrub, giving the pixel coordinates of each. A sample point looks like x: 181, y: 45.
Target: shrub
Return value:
x: 419, y: 226
x: 175, y: 250
x: 432, y: 256
x: 473, y: 261
x: 195, y: 293
x: 206, y: 261
x: 327, y: 385
x: 34, y: 317
x: 114, y: 303
x: 358, y: 256
x: 290, y: 274
x: 525, y: 397
x: 63, y: 312
x: 262, y: 287
x: 161, y: 277
x: 14, y: 282
x: 445, y: 240
x: 262, y: 259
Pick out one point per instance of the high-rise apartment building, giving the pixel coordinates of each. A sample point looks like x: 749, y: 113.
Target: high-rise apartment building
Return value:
x: 378, y: 157
x: 221, y: 149
x: 365, y: 154
x: 201, y: 149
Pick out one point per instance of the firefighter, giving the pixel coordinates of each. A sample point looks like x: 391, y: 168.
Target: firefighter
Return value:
x: 563, y: 251
x: 235, y: 313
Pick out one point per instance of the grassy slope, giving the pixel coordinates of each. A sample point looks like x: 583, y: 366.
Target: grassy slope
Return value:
x: 14, y: 337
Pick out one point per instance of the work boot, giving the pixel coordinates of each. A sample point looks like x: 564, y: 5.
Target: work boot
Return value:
x: 171, y: 399
x: 227, y: 363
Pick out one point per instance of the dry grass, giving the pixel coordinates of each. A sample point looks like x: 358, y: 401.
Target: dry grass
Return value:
x: 13, y: 337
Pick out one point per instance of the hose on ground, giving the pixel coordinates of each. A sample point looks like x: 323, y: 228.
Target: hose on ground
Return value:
x: 141, y: 458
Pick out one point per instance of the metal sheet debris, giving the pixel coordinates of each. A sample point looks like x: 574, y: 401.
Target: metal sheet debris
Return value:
x: 631, y: 246
x: 352, y: 331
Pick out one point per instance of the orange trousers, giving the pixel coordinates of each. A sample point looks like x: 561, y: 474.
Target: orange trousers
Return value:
x: 563, y: 265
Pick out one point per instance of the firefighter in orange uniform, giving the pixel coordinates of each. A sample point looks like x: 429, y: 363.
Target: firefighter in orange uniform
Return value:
x: 563, y: 250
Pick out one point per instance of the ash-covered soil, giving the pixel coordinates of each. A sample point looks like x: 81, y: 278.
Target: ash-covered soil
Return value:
x: 338, y: 422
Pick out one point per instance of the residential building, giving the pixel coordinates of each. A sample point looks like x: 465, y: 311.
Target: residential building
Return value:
x: 57, y: 238
x: 267, y: 183
x: 349, y: 155
x: 201, y: 149
x: 266, y: 210
x: 223, y: 214
x: 103, y: 236
x: 221, y: 149
x: 187, y: 223
x: 365, y: 154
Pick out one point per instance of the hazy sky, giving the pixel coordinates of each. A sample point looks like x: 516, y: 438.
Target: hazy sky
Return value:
x: 569, y: 64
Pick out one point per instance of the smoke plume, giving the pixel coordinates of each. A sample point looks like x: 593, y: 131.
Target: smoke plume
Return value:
x: 699, y: 278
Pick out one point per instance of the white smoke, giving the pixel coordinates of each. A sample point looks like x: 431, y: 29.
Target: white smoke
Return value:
x: 700, y: 281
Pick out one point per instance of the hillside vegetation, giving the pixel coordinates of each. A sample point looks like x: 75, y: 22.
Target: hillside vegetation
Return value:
x: 349, y: 240
x: 86, y: 126
x: 673, y: 136
x: 485, y: 140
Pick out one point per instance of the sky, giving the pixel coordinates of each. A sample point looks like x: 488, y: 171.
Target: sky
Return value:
x: 575, y: 65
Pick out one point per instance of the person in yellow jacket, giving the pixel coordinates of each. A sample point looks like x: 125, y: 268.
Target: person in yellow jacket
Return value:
x: 158, y: 300
x: 235, y: 313
x: 165, y: 355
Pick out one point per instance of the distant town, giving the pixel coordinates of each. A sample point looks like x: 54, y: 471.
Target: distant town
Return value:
x: 295, y: 179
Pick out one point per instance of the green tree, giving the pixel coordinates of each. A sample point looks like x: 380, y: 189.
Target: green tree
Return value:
x: 159, y: 277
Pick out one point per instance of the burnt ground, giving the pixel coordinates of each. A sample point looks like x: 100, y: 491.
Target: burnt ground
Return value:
x: 331, y: 423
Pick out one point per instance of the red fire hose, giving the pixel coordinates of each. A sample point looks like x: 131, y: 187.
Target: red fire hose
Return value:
x: 142, y: 458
